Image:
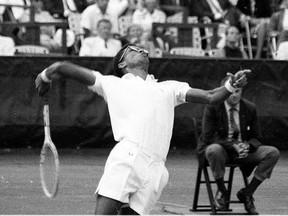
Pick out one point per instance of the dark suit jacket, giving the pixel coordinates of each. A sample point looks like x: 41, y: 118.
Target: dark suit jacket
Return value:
x: 201, y: 8
x: 215, y: 128
x: 263, y: 8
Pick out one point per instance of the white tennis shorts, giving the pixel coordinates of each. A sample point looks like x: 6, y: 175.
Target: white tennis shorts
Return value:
x: 132, y: 176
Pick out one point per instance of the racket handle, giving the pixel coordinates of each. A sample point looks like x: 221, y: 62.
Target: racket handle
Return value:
x: 46, y: 120
x: 45, y: 99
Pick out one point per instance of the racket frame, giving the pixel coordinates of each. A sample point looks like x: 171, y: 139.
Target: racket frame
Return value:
x: 48, y: 144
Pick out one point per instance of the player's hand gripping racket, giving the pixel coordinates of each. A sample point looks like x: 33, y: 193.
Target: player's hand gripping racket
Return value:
x: 49, y: 161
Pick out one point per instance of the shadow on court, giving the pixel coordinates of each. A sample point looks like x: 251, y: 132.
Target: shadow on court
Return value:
x: 80, y: 171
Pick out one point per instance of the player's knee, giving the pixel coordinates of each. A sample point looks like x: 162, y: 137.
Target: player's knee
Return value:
x: 107, y: 206
x: 126, y: 210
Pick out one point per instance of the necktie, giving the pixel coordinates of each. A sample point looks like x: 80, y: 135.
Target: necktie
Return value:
x: 233, y: 124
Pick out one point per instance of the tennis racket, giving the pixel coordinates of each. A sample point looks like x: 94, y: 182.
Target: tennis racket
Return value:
x: 49, y: 161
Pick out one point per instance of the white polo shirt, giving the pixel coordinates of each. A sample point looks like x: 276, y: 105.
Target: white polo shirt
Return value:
x: 141, y: 111
x: 92, y: 14
x: 144, y: 18
x: 96, y: 46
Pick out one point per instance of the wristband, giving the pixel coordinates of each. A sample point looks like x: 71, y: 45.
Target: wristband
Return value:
x: 229, y: 87
x: 44, y: 77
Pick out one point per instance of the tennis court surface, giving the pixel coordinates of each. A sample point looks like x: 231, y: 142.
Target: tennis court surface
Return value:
x: 80, y: 171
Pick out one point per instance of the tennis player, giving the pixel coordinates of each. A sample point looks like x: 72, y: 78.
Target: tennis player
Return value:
x: 142, y: 113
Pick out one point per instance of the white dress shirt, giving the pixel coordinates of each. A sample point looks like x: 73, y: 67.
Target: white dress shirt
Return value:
x: 285, y: 20
x: 7, y: 46
x: 141, y: 111
x: 92, y: 14
x: 145, y: 19
x: 97, y: 46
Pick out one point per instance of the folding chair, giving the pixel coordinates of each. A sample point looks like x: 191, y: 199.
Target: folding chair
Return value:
x: 211, y: 206
x: 74, y: 20
x: 187, y: 51
x: 273, y: 46
x: 31, y: 49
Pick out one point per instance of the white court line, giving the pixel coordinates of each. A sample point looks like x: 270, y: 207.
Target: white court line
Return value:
x: 171, y: 204
x: 43, y: 196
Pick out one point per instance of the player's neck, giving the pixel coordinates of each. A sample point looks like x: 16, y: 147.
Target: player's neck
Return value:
x: 138, y: 72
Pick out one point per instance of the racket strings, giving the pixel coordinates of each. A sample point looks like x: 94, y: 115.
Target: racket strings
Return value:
x: 49, y: 170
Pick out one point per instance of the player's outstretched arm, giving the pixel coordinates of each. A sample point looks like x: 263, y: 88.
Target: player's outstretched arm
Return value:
x: 62, y: 69
x: 220, y: 94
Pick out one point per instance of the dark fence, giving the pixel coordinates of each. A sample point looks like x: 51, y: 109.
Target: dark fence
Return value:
x: 80, y: 118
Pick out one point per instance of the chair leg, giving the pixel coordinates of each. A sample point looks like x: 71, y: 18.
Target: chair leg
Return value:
x: 209, y: 190
x: 208, y: 182
x: 197, y: 189
x: 230, y: 182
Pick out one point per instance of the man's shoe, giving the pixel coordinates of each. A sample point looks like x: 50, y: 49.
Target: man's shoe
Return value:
x: 220, y: 200
x: 248, y: 201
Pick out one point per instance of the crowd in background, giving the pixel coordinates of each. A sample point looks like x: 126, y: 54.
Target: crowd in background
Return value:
x: 104, y: 26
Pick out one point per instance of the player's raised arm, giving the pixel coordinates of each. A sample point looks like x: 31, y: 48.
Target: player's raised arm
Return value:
x: 220, y: 94
x: 63, y: 69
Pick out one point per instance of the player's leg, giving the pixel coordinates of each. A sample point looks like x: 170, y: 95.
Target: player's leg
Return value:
x: 107, y: 206
x: 144, y: 200
x: 117, y: 183
x: 126, y: 210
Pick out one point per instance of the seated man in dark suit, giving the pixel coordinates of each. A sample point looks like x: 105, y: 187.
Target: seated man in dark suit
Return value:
x: 221, y: 11
x: 235, y: 137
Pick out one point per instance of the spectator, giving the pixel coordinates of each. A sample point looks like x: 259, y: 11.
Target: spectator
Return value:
x: 230, y: 132
x: 16, y: 12
x: 132, y: 6
x: 46, y: 32
x: 76, y: 6
x: 233, y: 47
x: 148, y: 14
x: 255, y: 8
x: 12, y: 14
x: 175, y: 3
x: 278, y: 26
x: 7, y: 45
x: 135, y: 36
x: 101, y: 45
x: 259, y: 15
x: 217, y: 11
x: 90, y: 2
x: 102, y: 9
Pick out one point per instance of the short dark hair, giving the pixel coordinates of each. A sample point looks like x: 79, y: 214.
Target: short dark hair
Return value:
x: 103, y: 21
x: 229, y: 27
x: 116, y: 60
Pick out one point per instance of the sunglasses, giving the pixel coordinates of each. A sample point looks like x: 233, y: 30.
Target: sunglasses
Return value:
x: 133, y: 48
